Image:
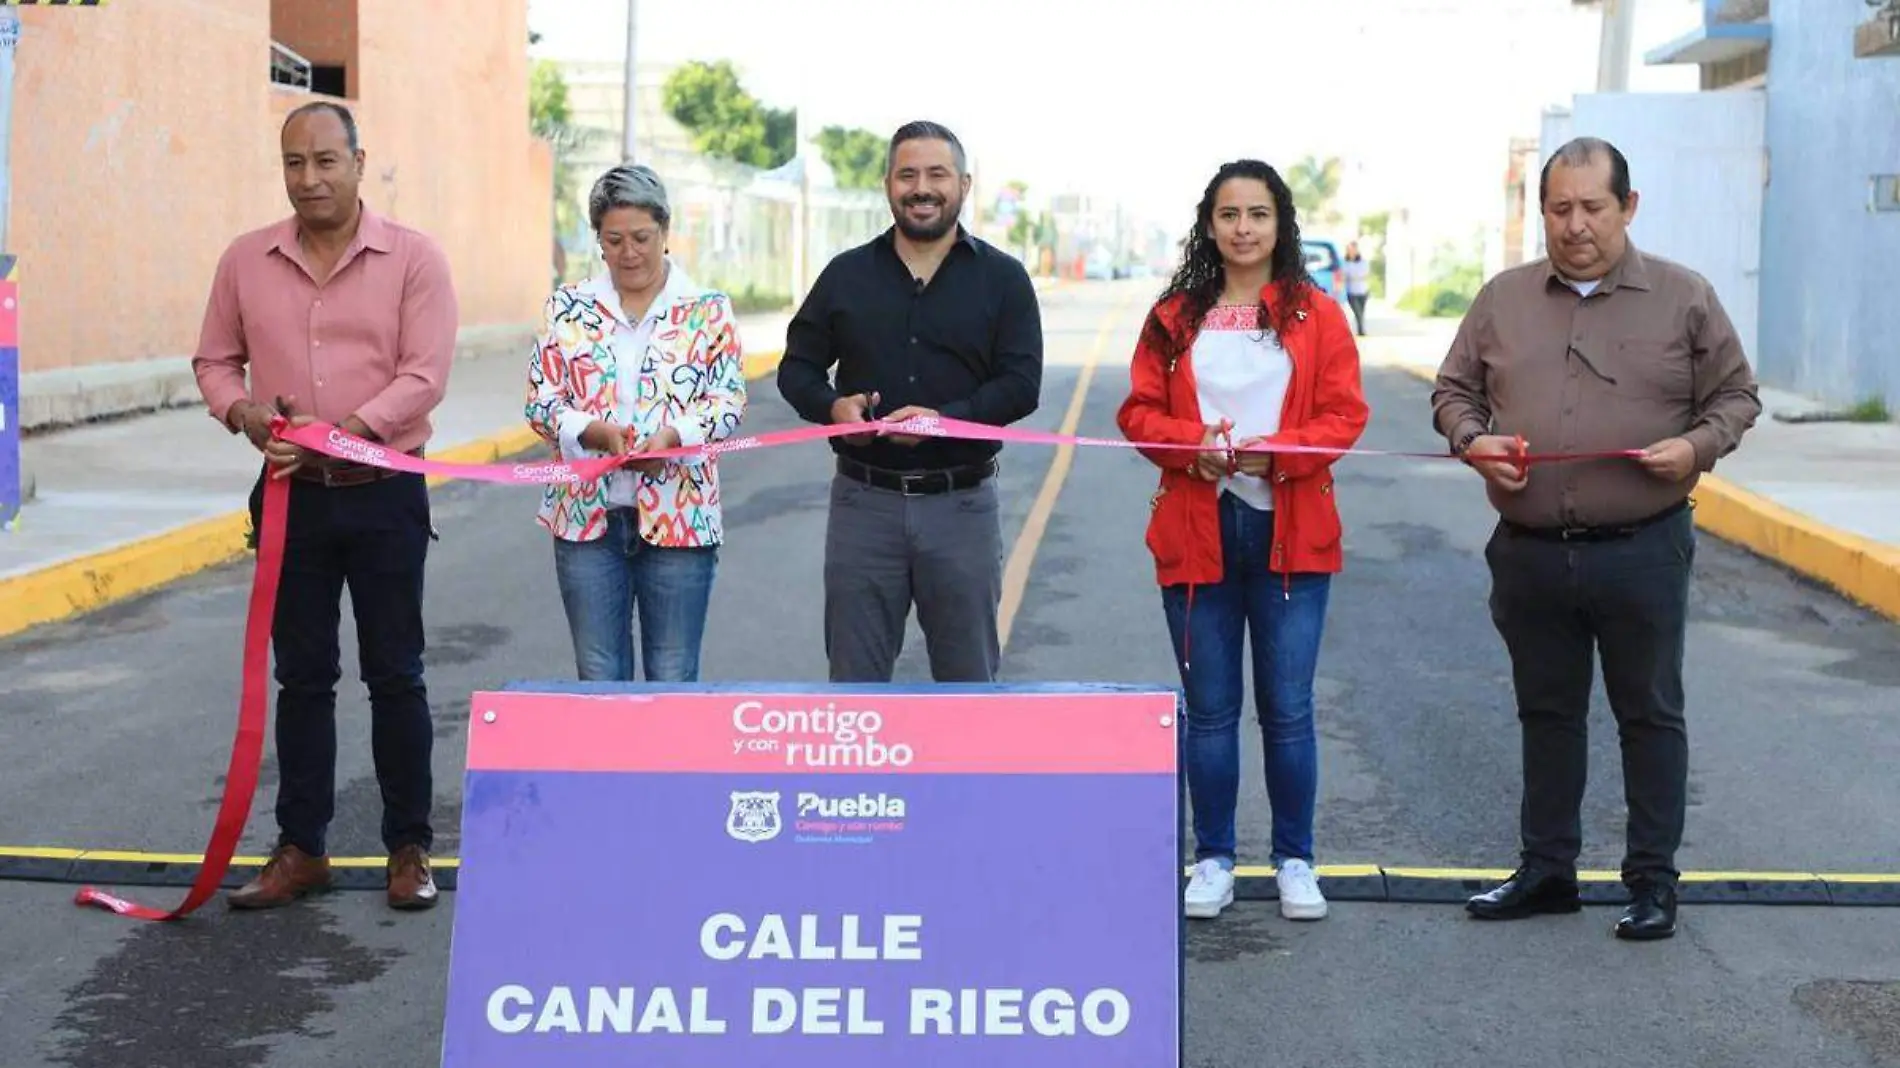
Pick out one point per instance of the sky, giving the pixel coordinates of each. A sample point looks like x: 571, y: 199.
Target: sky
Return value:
x: 1141, y: 101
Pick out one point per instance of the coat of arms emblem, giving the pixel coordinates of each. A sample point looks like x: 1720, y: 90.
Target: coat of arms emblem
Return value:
x: 754, y: 816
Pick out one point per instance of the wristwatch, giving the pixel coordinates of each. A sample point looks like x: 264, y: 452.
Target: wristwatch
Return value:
x: 1463, y: 443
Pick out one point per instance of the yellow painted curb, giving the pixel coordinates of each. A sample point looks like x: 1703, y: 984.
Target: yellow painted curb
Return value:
x: 89, y: 583
x: 92, y: 582
x: 1860, y: 569
x: 760, y: 364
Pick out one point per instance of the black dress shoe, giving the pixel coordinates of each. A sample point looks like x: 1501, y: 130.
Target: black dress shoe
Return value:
x: 1529, y: 892
x: 1651, y: 913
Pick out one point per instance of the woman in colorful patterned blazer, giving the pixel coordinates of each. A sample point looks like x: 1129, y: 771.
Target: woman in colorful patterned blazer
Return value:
x: 638, y: 359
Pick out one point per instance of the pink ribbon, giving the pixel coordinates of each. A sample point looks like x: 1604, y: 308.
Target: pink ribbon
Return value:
x: 331, y: 441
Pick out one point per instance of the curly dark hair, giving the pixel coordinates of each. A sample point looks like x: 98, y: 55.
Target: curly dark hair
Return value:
x: 1202, y: 273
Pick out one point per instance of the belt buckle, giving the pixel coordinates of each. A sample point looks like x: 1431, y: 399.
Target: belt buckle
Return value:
x: 332, y: 477
x: 906, y: 479
x: 338, y: 475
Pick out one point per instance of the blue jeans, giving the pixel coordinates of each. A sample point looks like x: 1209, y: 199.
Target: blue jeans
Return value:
x: 603, y: 582
x: 1287, y: 615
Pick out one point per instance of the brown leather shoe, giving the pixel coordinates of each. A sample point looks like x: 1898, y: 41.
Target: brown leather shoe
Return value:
x: 411, y: 887
x: 288, y: 875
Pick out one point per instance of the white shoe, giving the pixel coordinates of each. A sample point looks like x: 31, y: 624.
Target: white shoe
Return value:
x: 1300, y: 898
x: 1209, y: 890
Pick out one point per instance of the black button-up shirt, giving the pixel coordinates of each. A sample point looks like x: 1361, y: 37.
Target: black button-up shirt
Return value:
x: 968, y: 345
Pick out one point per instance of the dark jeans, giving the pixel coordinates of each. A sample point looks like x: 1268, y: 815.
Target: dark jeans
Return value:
x: 885, y: 551
x: 605, y: 582
x: 1286, y: 615
x: 374, y: 538
x: 1358, y: 302
x: 1558, y: 603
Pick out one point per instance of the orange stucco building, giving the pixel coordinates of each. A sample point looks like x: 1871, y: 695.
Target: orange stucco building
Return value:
x: 145, y: 138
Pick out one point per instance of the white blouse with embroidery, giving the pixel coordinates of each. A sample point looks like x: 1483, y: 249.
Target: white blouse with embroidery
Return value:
x: 1241, y: 374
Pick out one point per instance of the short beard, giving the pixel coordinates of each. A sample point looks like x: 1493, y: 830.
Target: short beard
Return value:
x: 946, y: 221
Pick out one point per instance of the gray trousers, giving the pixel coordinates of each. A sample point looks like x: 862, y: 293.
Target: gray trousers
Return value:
x: 885, y: 551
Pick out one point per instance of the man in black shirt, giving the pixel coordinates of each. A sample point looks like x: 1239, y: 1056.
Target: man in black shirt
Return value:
x: 924, y: 320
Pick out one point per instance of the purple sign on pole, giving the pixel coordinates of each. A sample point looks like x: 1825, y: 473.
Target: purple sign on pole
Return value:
x: 10, y: 489
x: 838, y: 879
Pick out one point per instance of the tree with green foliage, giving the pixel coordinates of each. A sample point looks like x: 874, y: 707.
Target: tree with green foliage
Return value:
x: 1315, y: 184
x: 547, y: 98
x: 1456, y: 274
x: 855, y: 156
x: 726, y: 121
x: 1022, y: 232
x: 550, y: 118
x: 1376, y: 226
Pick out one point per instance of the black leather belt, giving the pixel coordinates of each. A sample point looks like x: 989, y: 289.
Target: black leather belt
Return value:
x: 916, y: 483
x: 1615, y: 532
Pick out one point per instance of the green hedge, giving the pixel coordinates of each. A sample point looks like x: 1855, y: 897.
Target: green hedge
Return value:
x: 1447, y: 296
x: 751, y: 300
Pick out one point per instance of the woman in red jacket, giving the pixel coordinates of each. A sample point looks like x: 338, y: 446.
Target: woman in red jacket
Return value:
x: 1241, y: 349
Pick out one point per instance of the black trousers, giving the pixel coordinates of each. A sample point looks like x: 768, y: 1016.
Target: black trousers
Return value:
x: 373, y: 538
x: 1556, y: 604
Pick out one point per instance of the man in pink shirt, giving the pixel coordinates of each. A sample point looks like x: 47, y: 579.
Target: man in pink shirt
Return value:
x: 344, y: 316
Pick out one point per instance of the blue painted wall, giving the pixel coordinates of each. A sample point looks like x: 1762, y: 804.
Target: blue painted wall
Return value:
x: 1830, y: 269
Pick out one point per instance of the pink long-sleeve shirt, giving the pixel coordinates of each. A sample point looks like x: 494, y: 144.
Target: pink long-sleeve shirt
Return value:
x: 375, y: 340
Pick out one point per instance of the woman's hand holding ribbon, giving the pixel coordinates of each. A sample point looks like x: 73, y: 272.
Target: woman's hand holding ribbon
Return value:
x: 666, y: 438
x: 1256, y: 464
x: 604, y: 437
x: 1214, y: 464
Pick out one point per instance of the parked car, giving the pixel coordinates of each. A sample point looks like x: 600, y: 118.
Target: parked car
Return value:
x: 1323, y: 261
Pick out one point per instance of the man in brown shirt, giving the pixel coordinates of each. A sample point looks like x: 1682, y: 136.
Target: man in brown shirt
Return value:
x: 1599, y: 348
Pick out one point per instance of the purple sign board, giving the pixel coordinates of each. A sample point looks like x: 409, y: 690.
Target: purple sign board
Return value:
x: 10, y: 489
x: 850, y: 878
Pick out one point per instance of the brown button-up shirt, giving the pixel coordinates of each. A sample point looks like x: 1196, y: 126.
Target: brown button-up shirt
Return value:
x: 1648, y: 355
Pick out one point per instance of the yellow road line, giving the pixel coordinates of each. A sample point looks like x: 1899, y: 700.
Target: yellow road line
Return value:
x: 40, y: 853
x: 88, y: 583
x: 1457, y: 874
x: 1023, y: 554
x: 1330, y: 871
x: 130, y: 856
x: 125, y: 856
x: 1324, y: 871
x: 1750, y: 877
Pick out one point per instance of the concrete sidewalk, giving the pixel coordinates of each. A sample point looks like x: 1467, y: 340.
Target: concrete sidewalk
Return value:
x: 1822, y: 498
x: 125, y: 506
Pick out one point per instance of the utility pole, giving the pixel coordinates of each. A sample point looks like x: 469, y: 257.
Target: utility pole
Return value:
x: 9, y: 38
x: 801, y: 217
x: 629, y: 150
x: 1613, y: 50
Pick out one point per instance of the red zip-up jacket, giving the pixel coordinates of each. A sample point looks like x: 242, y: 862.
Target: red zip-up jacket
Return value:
x: 1325, y: 406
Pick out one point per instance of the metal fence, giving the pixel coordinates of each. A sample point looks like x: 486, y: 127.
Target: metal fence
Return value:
x: 734, y: 227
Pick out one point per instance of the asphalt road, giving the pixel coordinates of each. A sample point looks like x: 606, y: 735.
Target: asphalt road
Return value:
x: 113, y: 728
